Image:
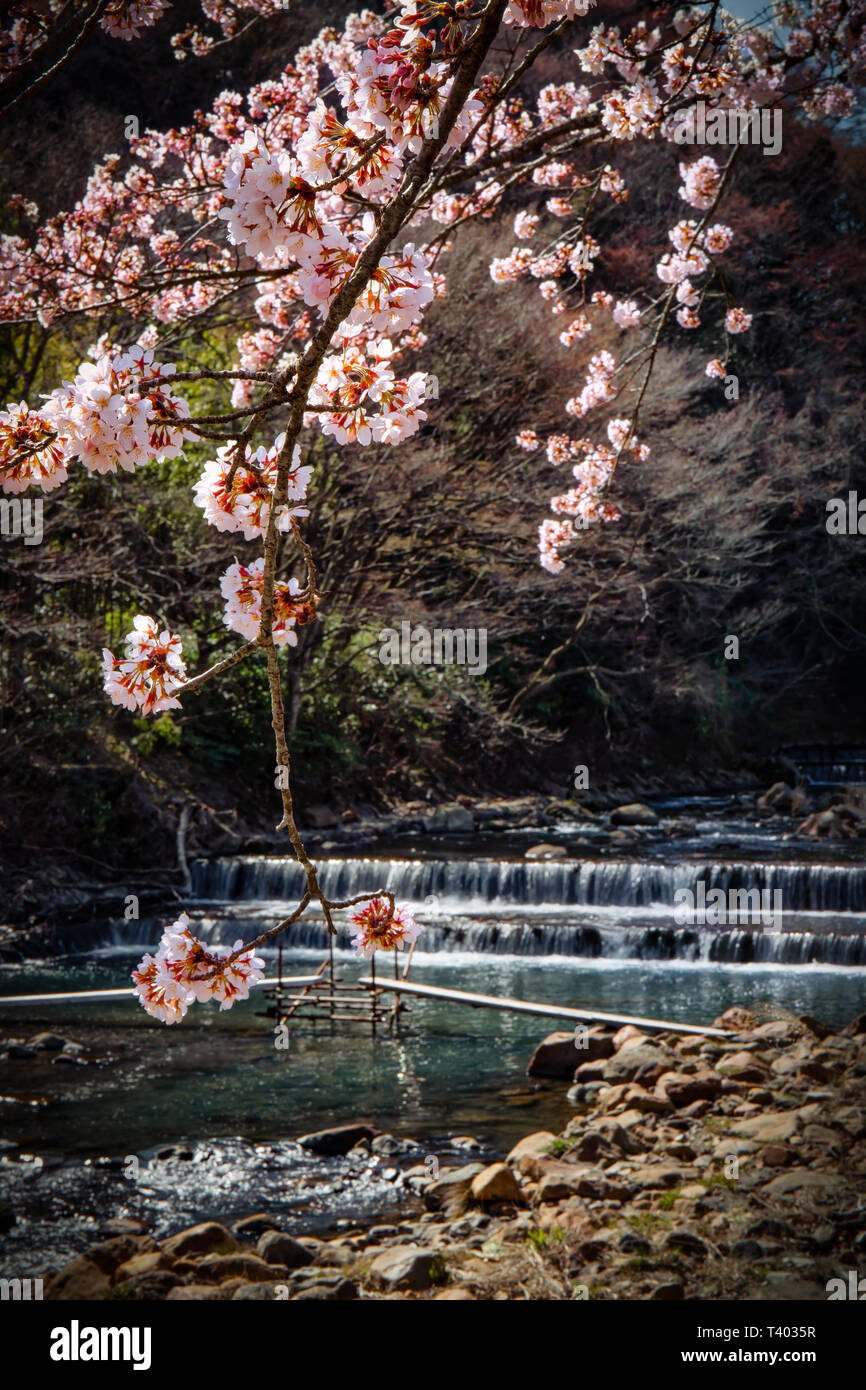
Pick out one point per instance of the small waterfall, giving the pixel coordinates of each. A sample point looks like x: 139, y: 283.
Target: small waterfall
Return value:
x: 514, y: 938
x: 465, y: 885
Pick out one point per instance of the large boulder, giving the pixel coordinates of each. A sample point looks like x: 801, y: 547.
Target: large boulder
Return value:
x: 496, y: 1184
x: 545, y: 851
x: 203, y: 1239
x: 404, y: 1267
x: 277, y: 1248
x: 451, y: 1188
x: 557, y: 1054
x: 79, y: 1281
x: 338, y: 1140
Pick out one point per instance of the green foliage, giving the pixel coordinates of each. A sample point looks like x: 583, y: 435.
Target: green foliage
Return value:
x: 556, y: 1147
x: 667, y: 1199
x: 438, y: 1272
x: 155, y: 734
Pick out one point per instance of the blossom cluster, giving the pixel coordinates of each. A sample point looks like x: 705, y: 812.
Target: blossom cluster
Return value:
x: 119, y: 412
x: 242, y: 501
x: 184, y: 971
x: 242, y: 588
x: 153, y: 669
x: 377, y: 928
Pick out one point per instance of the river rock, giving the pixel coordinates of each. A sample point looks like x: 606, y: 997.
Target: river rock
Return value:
x: 801, y: 1178
x: 194, y: 1293
x: 110, y: 1254
x: 330, y: 1289
x: 682, y: 1089
x: 495, y: 1184
x: 544, y: 851
x: 599, y: 1188
x: 657, y: 1175
x: 450, y: 820
x: 277, y: 1248
x: 536, y: 1145
x: 741, y: 1066
x: 775, y: 1127
x: 636, y: 813
x: 637, y: 1060
x: 686, y: 1241
x: 406, y: 1267
x: 48, y: 1042
x: 778, y: 1030
x: 591, y: 1145
x: 79, y: 1281
x: 339, y: 1140
x: 781, y: 800
x: 340, y: 1255
x: 736, y: 1020
x: 777, y: 1156
x: 557, y: 1054
x: 215, y: 1269
x: 557, y: 1187
x: 203, y: 1239
x: 262, y: 1291
x: 451, y: 1187
x: 150, y: 1285
x: 670, y: 1292
x: 251, y: 1227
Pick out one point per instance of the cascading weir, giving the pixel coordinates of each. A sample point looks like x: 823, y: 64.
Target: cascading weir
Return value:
x: 451, y: 895
x: 467, y: 883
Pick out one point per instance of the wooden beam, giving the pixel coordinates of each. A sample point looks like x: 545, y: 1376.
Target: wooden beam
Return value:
x: 524, y: 1006
x: 88, y: 996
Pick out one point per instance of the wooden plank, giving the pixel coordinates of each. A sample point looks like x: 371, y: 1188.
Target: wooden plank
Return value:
x: 87, y: 996
x: 524, y: 1006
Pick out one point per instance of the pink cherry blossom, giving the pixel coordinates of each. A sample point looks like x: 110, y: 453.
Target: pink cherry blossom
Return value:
x: 242, y: 587
x: 152, y: 670
x: 737, y: 320
x: 377, y: 928
x: 244, y: 505
x: 184, y: 971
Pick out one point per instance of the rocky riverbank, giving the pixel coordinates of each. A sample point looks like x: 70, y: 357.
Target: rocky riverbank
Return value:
x: 687, y: 1167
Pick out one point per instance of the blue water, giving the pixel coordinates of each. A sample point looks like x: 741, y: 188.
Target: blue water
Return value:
x: 447, y: 1069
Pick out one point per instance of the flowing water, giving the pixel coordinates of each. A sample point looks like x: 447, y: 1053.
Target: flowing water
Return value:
x: 597, y: 931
